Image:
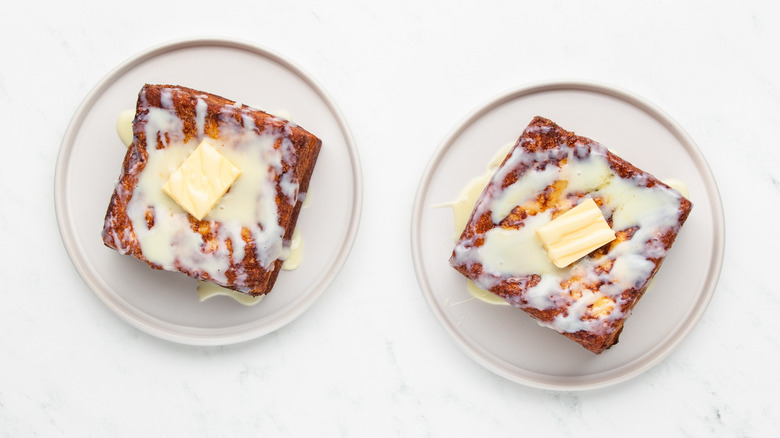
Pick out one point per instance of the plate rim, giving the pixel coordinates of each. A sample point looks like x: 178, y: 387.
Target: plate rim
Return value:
x: 656, y: 354
x: 73, y: 247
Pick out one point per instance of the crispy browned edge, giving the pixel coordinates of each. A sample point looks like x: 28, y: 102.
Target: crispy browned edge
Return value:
x: 306, y: 145
x: 479, y: 225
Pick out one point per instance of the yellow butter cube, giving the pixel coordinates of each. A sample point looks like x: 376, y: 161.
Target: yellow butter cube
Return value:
x: 201, y: 180
x: 575, y: 234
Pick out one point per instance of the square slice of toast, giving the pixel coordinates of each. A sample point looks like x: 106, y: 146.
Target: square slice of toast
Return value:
x: 547, y: 173
x: 241, y: 243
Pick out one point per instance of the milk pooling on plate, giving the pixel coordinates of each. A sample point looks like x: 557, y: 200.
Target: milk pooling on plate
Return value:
x: 248, y: 206
x: 461, y: 211
x: 124, y: 126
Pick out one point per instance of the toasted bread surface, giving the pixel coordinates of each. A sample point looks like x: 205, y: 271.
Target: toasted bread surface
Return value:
x: 242, y: 242
x: 548, y: 172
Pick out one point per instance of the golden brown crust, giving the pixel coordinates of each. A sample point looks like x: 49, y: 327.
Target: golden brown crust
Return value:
x: 544, y: 135
x: 118, y: 230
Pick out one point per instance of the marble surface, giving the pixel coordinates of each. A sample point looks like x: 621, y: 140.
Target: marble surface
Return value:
x: 369, y: 358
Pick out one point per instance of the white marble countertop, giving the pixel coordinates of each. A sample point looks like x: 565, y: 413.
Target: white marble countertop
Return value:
x: 369, y: 358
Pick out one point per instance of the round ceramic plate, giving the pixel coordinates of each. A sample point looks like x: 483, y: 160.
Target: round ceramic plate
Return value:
x: 165, y: 304
x: 504, y: 339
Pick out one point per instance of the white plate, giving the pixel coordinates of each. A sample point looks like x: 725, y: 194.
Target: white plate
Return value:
x: 504, y: 339
x: 165, y: 304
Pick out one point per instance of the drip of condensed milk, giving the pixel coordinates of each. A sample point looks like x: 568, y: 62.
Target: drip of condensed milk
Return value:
x: 124, y: 126
x: 294, y: 260
x: 679, y: 186
x: 207, y: 289
x: 461, y: 211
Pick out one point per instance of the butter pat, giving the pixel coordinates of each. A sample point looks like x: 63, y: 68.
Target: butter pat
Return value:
x: 575, y: 234
x: 201, y: 180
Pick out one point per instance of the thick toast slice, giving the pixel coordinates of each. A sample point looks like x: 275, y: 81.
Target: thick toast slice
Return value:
x: 242, y: 242
x: 548, y: 172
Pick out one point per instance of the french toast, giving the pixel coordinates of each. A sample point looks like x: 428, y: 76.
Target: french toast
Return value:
x: 242, y: 241
x: 548, y: 172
